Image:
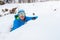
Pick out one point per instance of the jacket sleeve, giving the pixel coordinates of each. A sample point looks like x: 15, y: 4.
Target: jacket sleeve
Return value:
x: 31, y: 18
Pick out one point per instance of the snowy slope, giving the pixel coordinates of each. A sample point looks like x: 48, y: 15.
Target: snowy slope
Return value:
x: 46, y: 27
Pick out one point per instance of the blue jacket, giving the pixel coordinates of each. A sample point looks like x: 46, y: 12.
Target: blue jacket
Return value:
x: 18, y: 22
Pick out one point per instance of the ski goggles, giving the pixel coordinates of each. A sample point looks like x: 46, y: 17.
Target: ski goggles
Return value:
x: 21, y: 14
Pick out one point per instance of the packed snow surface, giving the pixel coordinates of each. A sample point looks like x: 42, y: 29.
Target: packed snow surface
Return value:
x: 46, y: 27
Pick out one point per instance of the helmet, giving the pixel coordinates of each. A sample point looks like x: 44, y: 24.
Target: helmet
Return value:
x: 21, y: 12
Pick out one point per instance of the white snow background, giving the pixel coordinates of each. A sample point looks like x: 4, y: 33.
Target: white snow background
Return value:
x: 46, y: 27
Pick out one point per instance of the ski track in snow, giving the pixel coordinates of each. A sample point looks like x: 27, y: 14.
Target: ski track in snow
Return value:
x: 46, y: 27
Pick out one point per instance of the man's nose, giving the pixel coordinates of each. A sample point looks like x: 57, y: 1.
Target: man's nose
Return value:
x: 22, y: 16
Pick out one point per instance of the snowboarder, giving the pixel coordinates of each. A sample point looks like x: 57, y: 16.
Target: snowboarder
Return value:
x: 21, y: 19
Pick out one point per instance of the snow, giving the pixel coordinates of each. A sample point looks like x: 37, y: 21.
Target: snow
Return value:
x: 46, y: 27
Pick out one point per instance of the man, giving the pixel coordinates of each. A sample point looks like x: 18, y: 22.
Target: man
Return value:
x: 21, y: 19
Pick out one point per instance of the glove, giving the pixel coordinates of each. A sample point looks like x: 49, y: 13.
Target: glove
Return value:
x: 34, y: 18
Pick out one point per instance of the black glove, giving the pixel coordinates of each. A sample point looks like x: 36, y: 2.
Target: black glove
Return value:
x: 33, y: 18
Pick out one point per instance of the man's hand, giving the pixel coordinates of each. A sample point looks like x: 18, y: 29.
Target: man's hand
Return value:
x: 34, y: 18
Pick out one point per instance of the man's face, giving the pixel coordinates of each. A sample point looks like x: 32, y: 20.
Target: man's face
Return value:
x: 21, y: 17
